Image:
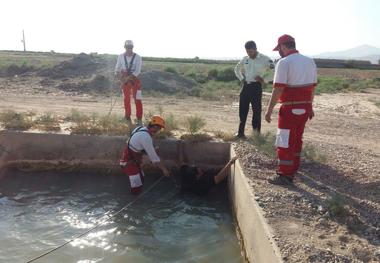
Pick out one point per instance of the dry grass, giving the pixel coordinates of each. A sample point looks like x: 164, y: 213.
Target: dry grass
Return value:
x: 76, y: 116
x: 194, y: 124
x: 225, y: 136
x: 336, y: 206
x: 12, y: 120
x: 47, y: 122
x: 96, y: 125
x: 264, y: 142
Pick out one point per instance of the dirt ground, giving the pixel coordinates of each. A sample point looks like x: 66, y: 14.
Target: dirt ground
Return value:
x: 345, y: 130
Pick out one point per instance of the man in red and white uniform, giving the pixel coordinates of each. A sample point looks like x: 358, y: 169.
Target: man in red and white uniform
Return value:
x: 139, y: 143
x: 294, y: 82
x: 127, y: 70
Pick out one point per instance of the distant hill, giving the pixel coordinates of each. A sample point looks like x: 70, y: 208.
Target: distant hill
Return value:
x: 374, y: 58
x: 363, y: 52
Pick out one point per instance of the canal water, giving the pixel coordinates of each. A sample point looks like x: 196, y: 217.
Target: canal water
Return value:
x: 39, y: 212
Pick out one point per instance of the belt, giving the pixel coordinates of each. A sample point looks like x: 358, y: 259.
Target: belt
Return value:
x: 296, y: 102
x: 252, y: 82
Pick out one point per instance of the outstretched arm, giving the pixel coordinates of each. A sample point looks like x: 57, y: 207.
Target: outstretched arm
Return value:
x: 153, y: 157
x: 223, y: 173
x: 163, y: 168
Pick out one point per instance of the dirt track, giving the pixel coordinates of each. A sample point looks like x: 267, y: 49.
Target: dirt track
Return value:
x: 345, y: 130
x: 347, y: 118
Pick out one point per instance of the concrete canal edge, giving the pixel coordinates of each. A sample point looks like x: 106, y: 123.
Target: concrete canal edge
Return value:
x: 100, y: 154
x: 76, y: 152
x: 255, y: 234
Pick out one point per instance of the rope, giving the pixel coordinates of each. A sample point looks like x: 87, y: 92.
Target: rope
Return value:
x: 113, y: 97
x: 99, y: 224
x: 175, y: 181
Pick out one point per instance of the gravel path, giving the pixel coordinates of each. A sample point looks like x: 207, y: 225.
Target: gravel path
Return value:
x: 332, y: 213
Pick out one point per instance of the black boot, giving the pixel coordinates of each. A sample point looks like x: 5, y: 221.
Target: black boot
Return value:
x: 240, y: 133
x: 280, y: 179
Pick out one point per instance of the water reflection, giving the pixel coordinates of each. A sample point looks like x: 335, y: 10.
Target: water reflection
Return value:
x: 39, y: 212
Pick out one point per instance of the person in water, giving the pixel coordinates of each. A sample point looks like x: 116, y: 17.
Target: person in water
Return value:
x: 200, y: 182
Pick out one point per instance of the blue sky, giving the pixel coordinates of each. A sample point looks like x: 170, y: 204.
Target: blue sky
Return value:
x: 188, y: 28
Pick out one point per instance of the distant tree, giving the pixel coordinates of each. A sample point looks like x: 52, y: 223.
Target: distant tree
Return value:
x: 350, y: 64
x: 212, y: 73
x: 227, y: 74
x: 171, y: 70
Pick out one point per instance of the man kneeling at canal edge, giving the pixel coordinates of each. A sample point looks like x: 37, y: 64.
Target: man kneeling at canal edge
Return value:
x: 195, y: 180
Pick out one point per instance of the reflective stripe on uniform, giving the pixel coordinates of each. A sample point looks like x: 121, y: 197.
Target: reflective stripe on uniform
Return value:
x: 284, y: 162
x: 138, y: 95
x: 135, y: 180
x: 301, y: 85
x: 296, y: 102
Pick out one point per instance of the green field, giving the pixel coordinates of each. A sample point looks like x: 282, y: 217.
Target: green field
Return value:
x: 212, y: 79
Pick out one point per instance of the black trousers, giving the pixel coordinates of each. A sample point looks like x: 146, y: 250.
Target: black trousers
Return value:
x: 250, y: 94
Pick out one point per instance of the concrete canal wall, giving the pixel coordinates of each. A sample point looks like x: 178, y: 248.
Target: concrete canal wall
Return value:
x: 41, y: 152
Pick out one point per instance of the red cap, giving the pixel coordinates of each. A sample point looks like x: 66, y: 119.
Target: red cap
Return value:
x: 283, y: 39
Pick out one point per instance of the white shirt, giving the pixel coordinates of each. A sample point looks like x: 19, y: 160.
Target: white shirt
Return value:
x: 142, y: 140
x: 136, y: 65
x: 295, y: 70
x: 247, y: 69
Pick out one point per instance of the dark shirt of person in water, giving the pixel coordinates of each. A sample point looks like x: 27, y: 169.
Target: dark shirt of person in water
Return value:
x: 195, y: 180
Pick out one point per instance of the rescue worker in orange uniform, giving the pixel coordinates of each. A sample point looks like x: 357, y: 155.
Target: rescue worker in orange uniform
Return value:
x: 294, y: 82
x: 127, y: 70
x: 139, y: 143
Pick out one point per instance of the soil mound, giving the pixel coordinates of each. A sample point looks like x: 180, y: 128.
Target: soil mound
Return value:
x: 80, y: 65
x: 14, y: 70
x: 98, y: 84
x: 166, y: 82
x: 88, y: 74
x: 152, y: 81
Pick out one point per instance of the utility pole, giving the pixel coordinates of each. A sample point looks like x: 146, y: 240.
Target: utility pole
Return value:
x: 23, y: 39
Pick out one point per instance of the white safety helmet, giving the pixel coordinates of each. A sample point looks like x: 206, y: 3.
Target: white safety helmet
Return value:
x: 128, y: 43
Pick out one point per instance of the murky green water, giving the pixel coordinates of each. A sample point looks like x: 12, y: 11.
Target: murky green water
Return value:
x: 40, y: 212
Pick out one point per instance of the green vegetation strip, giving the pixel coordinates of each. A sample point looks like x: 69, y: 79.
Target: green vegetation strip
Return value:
x: 338, y: 84
x: 213, y: 79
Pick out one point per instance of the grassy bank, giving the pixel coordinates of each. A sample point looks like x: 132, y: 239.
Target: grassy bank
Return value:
x: 213, y: 79
x: 339, y: 84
